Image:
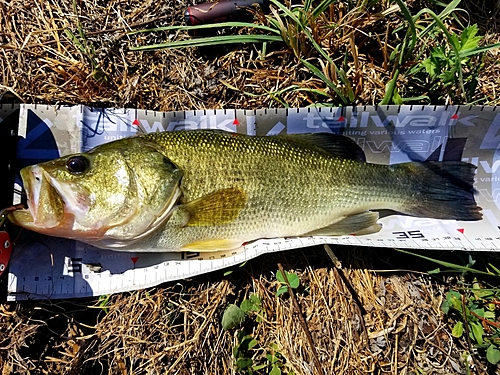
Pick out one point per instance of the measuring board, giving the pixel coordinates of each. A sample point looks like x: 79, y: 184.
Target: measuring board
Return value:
x: 46, y: 267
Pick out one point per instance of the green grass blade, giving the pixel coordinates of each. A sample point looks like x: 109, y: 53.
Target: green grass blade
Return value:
x: 307, y: 5
x: 416, y: 98
x: 411, y: 28
x: 405, y: 51
x: 303, y: 27
x: 318, y: 48
x: 321, y: 8
x: 325, y: 79
x: 453, y: 266
x: 72, y: 37
x: 210, y: 41
x: 86, y: 51
x: 389, y: 91
x: 208, y: 26
x: 345, y: 80
x: 496, y: 269
x: 478, y: 50
x: 291, y: 88
x: 450, y: 8
x: 453, y: 45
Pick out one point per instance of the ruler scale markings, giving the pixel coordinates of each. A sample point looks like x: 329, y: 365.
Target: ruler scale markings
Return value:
x: 298, y: 120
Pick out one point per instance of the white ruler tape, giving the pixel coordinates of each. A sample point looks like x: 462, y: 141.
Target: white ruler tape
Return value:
x: 44, y: 267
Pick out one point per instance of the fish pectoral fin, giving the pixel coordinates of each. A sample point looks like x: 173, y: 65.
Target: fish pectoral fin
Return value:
x: 362, y: 223
x: 213, y: 245
x: 217, y: 208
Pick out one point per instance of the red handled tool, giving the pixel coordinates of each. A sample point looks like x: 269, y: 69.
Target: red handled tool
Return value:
x: 221, y: 11
x: 5, y: 250
x: 5, y: 240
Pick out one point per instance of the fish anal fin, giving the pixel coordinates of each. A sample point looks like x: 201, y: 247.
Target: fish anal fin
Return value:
x: 375, y: 228
x: 361, y: 223
x: 213, y: 245
x: 217, y: 208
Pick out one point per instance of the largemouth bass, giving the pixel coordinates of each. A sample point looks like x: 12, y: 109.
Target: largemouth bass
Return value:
x: 208, y: 190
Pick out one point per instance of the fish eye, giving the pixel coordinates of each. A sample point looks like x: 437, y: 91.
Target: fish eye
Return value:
x: 77, y: 164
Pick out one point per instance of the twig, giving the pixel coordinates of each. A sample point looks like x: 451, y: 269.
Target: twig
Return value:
x: 339, y: 273
x: 338, y: 267
x: 467, y: 332
x: 396, y: 347
x: 466, y: 326
x: 303, y: 322
x: 489, y: 322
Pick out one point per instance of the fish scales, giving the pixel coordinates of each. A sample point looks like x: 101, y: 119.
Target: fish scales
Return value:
x: 291, y: 189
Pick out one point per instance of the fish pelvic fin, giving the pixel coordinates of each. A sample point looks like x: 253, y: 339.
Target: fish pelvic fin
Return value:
x: 441, y: 190
x: 217, y: 208
x: 361, y: 223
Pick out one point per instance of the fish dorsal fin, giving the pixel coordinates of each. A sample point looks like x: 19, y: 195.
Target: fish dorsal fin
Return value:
x: 335, y: 144
x: 217, y: 208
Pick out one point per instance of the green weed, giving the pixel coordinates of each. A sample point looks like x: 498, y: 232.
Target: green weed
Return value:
x: 103, y: 302
x: 437, y: 65
x: 85, y: 47
x: 476, y: 310
x: 441, y: 64
x: 235, y: 316
x: 231, y: 270
x: 491, y: 270
x: 247, y: 351
x: 247, y: 358
x: 246, y: 361
x: 297, y: 26
x: 293, y: 280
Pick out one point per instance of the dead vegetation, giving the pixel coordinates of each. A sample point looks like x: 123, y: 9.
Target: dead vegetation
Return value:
x: 362, y: 320
x: 79, y: 52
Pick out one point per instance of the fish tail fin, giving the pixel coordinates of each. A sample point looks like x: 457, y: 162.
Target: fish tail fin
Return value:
x: 442, y: 190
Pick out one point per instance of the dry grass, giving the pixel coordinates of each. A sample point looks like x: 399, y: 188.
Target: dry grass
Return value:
x: 362, y: 321
x: 42, y: 63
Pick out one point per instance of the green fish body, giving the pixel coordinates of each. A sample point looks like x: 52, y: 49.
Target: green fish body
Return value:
x: 209, y: 190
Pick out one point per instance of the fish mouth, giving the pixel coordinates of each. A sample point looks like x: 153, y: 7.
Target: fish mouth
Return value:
x: 45, y: 205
